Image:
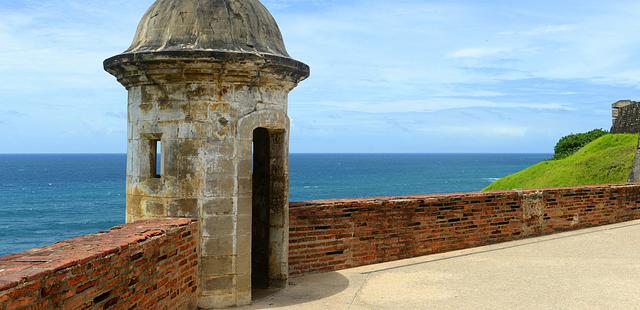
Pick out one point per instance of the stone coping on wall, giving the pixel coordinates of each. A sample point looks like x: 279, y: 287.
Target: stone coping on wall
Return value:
x: 104, y: 268
x: 297, y: 204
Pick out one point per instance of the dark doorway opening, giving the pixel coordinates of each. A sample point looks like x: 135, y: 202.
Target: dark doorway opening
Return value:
x: 269, y: 216
x: 261, y: 200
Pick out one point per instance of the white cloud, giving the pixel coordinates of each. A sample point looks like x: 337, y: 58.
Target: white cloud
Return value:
x: 434, y: 105
x: 486, y: 130
x: 62, y: 44
x: 478, y: 52
x: 543, y: 30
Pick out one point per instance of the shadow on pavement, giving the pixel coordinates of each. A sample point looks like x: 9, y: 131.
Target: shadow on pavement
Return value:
x: 302, y: 290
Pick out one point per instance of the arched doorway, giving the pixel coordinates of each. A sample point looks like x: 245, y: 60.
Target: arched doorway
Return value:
x: 269, y: 201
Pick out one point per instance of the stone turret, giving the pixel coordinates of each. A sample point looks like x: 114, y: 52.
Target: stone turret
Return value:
x: 208, y: 133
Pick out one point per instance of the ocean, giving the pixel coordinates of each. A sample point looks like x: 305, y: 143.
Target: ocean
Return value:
x: 48, y: 198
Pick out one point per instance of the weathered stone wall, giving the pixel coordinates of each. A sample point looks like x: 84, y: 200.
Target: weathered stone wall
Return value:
x: 626, y: 117
x: 146, y: 265
x: 339, y: 234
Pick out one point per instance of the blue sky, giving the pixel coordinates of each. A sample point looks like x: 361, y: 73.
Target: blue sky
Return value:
x: 387, y: 76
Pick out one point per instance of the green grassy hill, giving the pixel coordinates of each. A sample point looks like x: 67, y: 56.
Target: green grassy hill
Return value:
x: 607, y: 160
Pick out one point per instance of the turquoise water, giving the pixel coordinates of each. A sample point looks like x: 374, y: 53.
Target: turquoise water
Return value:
x: 48, y: 198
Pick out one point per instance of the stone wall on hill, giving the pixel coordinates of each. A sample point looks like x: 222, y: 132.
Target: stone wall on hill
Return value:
x: 626, y: 117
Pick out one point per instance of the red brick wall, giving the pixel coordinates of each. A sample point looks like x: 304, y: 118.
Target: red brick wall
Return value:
x: 153, y: 264
x: 147, y: 265
x: 339, y: 234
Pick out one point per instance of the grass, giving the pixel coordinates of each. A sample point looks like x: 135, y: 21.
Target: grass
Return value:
x: 607, y: 160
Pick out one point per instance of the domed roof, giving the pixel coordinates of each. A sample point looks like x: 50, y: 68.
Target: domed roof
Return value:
x: 208, y: 25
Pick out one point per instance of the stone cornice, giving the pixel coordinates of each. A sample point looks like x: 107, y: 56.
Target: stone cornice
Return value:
x: 133, y: 69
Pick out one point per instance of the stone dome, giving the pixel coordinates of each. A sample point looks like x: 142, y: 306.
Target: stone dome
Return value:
x: 244, y: 26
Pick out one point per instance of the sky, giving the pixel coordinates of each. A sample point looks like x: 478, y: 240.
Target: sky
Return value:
x: 402, y: 76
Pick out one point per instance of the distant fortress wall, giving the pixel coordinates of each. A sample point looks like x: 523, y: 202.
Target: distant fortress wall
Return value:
x: 626, y: 117
x: 154, y: 264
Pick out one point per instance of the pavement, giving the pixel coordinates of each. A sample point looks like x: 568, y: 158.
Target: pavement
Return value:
x: 597, y: 268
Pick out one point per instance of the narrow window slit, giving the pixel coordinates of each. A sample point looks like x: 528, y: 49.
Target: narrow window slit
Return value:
x: 156, y: 158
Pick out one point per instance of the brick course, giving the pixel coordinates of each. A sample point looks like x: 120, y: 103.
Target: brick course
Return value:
x: 338, y: 234
x: 150, y: 264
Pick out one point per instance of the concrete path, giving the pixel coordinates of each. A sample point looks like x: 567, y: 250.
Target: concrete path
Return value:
x: 596, y: 268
